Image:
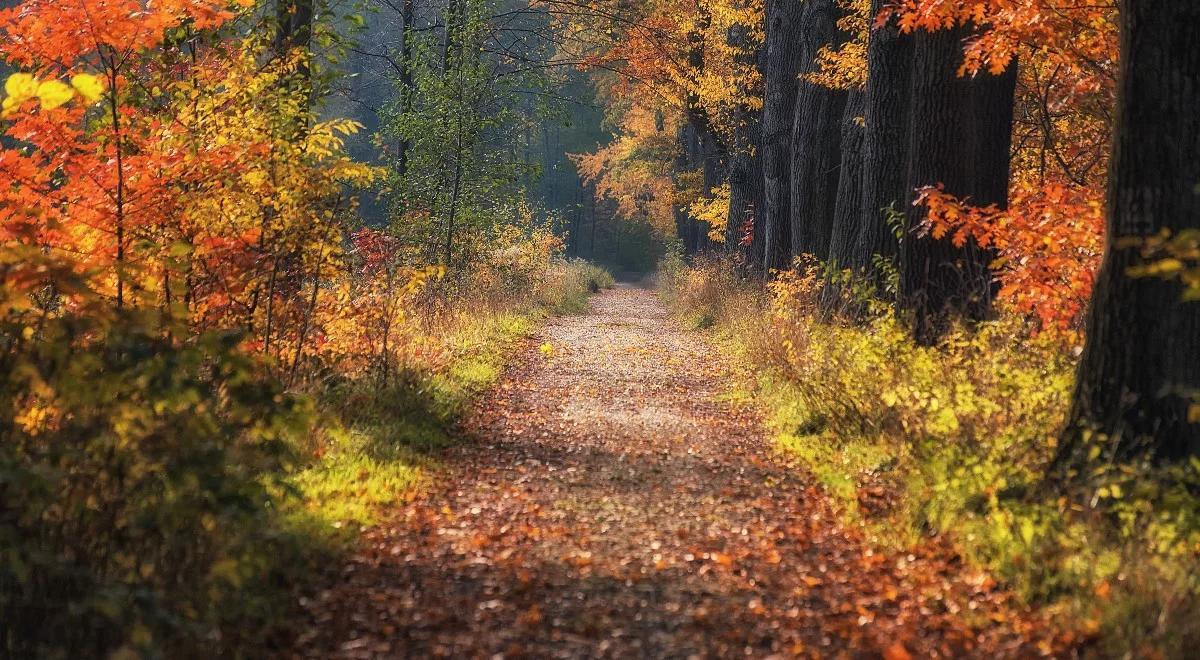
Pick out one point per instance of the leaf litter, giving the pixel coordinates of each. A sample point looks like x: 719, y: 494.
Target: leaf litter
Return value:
x: 605, y: 501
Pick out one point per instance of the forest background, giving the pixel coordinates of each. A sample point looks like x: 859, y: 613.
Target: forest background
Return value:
x: 258, y: 256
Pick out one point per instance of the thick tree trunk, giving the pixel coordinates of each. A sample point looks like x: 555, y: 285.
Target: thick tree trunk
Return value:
x: 746, y: 189
x: 715, y: 163
x: 745, y: 174
x: 684, y: 226
x: 885, y: 141
x: 961, y: 130
x: 848, y: 215
x: 816, y: 136
x: 1141, y: 361
x: 781, y: 65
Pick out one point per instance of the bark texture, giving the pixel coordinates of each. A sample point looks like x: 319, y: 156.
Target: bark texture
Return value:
x: 848, y: 214
x: 885, y: 140
x: 816, y: 136
x: 781, y: 65
x: 960, y: 133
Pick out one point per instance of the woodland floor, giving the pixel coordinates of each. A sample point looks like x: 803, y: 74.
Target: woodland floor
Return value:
x: 606, y: 501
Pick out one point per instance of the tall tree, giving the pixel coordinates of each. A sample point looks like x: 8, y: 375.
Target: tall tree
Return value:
x: 885, y: 139
x: 816, y: 135
x: 745, y: 174
x: 960, y: 132
x: 1141, y: 361
x: 848, y: 214
x: 782, y: 58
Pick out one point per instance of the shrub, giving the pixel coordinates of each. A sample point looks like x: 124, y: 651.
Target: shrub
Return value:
x: 957, y: 439
x: 138, y: 482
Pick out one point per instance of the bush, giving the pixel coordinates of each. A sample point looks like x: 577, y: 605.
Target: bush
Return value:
x: 957, y: 440
x: 137, y: 487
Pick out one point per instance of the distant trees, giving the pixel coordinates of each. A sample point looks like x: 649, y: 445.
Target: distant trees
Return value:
x: 455, y: 114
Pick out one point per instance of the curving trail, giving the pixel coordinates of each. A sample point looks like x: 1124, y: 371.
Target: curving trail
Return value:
x: 606, y: 503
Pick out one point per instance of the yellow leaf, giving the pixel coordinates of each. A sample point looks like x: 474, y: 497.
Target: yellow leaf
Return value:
x: 54, y: 94
x: 21, y: 87
x: 89, y: 87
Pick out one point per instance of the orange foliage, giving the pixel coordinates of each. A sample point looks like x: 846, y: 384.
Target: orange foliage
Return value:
x: 1050, y: 237
x: 1048, y: 246
x: 160, y: 175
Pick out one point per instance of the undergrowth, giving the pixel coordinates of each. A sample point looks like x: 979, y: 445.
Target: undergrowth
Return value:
x: 956, y: 440
x: 166, y: 498
x: 376, y: 439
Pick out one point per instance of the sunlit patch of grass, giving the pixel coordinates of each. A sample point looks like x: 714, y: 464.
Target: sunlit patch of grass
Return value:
x: 354, y: 480
x: 376, y: 446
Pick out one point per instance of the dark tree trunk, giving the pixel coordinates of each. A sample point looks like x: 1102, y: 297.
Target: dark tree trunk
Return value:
x: 406, y: 80
x: 684, y: 226
x: 848, y: 215
x: 294, y: 29
x: 781, y: 65
x: 1142, y: 356
x: 816, y: 136
x: 745, y: 174
x: 885, y: 141
x: 746, y: 190
x: 961, y: 131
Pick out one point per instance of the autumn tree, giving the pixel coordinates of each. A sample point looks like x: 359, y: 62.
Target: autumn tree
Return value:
x: 1141, y: 363
x: 959, y: 137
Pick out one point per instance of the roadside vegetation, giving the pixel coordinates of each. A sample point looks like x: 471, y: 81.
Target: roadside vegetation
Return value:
x: 955, y: 442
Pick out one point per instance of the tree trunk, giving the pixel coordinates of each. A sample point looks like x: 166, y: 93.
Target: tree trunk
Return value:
x: 848, y: 215
x: 1141, y: 361
x: 781, y: 65
x: 961, y: 131
x: 746, y: 189
x: 745, y: 174
x: 294, y: 29
x: 407, y: 88
x: 885, y: 141
x: 816, y: 136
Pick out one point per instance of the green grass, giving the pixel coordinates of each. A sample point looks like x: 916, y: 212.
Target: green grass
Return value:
x: 376, y: 447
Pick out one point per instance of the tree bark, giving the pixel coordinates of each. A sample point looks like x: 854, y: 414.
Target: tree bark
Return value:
x: 1141, y: 360
x: 746, y: 189
x: 848, y: 215
x: 816, y: 136
x: 885, y: 141
x: 745, y: 174
x: 960, y: 134
x: 781, y: 65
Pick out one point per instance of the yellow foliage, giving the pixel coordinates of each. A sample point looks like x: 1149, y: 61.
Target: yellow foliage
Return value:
x: 845, y: 67
x: 713, y: 210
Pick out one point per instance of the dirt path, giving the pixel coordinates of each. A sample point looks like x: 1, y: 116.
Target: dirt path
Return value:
x: 607, y: 504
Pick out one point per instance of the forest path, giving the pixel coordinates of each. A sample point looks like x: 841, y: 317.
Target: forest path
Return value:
x: 607, y: 503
